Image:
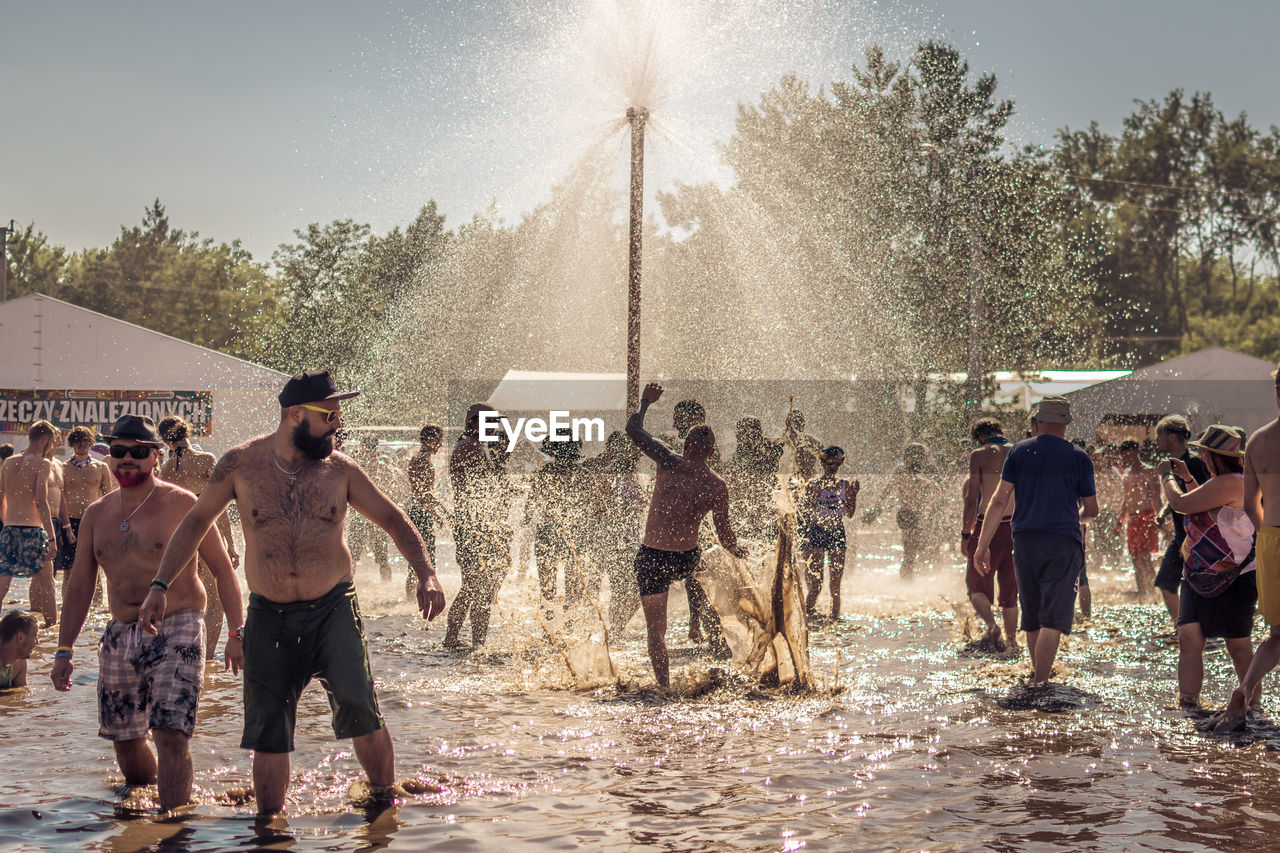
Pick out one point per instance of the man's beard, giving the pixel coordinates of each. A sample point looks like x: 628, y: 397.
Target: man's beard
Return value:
x: 130, y: 477
x: 312, y: 446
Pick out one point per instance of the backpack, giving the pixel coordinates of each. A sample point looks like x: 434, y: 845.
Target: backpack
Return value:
x: 1208, y: 565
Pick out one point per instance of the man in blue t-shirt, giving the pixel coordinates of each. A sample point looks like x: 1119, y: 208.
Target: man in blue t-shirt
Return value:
x: 1053, y: 479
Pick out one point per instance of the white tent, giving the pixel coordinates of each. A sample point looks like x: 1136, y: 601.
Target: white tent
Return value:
x: 1213, y: 385
x: 543, y: 391
x: 74, y: 366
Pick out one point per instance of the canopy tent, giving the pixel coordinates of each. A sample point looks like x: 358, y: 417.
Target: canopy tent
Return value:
x: 542, y: 391
x: 73, y: 366
x: 1213, y: 385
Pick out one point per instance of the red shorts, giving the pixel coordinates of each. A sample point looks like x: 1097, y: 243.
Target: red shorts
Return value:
x: 1001, y: 551
x: 1144, y: 533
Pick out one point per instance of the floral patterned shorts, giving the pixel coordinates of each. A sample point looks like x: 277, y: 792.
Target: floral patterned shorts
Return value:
x: 150, y: 682
x: 23, y: 550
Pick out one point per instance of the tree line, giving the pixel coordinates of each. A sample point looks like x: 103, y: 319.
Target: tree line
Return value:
x: 867, y: 219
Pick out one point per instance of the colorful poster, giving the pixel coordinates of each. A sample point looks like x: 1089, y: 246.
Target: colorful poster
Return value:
x: 20, y: 408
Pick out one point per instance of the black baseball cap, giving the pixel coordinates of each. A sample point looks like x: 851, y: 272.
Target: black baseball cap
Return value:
x: 309, y: 387
x: 134, y: 428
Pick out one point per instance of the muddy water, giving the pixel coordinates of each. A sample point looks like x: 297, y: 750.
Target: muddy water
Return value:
x: 914, y: 751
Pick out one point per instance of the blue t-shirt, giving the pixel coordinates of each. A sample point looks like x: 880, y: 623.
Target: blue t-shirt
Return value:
x: 1049, y: 475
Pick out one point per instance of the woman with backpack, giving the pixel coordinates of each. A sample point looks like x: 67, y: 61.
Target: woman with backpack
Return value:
x: 1219, y: 592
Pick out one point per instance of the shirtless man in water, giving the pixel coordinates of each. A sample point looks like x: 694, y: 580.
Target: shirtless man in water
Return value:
x: 303, y: 619
x: 86, y: 479
x: 27, y: 543
x: 684, y: 491
x: 148, y: 680
x: 985, y: 465
x: 191, y: 469
x: 1262, y: 503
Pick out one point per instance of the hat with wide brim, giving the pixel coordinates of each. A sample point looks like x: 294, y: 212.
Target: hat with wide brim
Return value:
x: 1053, y: 409
x: 312, y: 387
x: 134, y: 428
x: 1221, y: 439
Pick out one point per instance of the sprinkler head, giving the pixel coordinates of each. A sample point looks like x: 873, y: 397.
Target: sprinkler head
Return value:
x: 640, y: 114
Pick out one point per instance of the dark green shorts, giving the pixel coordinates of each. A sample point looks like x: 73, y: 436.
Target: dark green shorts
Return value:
x: 288, y: 644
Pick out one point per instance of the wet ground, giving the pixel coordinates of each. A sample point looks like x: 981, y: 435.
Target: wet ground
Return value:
x: 908, y: 742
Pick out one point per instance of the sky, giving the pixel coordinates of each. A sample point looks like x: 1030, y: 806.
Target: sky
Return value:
x: 250, y: 119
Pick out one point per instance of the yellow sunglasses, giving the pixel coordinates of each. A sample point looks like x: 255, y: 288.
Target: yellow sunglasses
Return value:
x: 329, y: 414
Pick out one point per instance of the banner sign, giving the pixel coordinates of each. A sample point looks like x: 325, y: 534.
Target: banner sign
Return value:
x: 98, y: 410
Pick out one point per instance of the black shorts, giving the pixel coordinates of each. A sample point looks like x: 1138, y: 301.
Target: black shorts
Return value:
x: 1169, y: 578
x: 66, y: 551
x: 286, y: 644
x: 1229, y: 616
x: 1048, y: 567
x: 657, y: 570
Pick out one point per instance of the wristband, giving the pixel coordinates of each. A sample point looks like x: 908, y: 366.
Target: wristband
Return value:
x: 63, y: 653
x: 162, y: 585
x: 236, y: 633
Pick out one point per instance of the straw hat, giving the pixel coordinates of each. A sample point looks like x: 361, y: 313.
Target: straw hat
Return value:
x: 1223, y: 440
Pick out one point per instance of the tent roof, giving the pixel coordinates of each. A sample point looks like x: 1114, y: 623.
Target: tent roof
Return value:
x: 1213, y: 385
x: 48, y: 343
x: 540, y: 391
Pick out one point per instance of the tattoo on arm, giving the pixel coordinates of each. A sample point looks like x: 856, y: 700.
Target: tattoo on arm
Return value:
x: 225, y: 468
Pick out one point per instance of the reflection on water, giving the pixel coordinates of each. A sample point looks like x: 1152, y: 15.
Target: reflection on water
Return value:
x: 913, y: 751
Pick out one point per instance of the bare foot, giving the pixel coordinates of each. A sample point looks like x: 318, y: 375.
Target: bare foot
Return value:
x: 1232, y: 718
x: 994, y: 636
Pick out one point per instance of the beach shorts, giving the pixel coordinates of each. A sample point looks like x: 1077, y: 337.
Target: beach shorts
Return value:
x: 1268, y: 556
x: 67, y: 550
x: 1001, y: 550
x: 150, y: 682
x: 1143, y: 533
x: 825, y: 538
x: 1048, y: 567
x: 1169, y: 578
x: 286, y: 644
x: 23, y: 550
x: 657, y: 570
x: 1229, y: 616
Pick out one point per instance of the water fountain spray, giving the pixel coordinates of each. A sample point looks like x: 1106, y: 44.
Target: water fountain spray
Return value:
x: 636, y: 117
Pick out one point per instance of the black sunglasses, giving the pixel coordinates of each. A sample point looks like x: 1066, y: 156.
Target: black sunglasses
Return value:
x: 137, y: 451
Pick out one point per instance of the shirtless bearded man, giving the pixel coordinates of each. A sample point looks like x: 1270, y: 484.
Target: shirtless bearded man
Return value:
x: 149, y: 676
x: 684, y: 491
x: 303, y: 619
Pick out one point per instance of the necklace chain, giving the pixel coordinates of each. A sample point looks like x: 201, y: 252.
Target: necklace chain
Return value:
x: 292, y: 475
x: 124, y: 525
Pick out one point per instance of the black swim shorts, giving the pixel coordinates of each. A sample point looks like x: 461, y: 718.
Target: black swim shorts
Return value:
x: 286, y: 644
x: 657, y: 570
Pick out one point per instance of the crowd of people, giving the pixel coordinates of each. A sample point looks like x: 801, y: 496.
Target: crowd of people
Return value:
x: 151, y: 522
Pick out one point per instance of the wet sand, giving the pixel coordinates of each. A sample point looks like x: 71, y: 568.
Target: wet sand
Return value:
x: 907, y: 746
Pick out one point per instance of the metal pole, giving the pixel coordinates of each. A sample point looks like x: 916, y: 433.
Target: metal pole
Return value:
x: 4, y: 261
x: 637, y: 117
x: 973, y: 391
